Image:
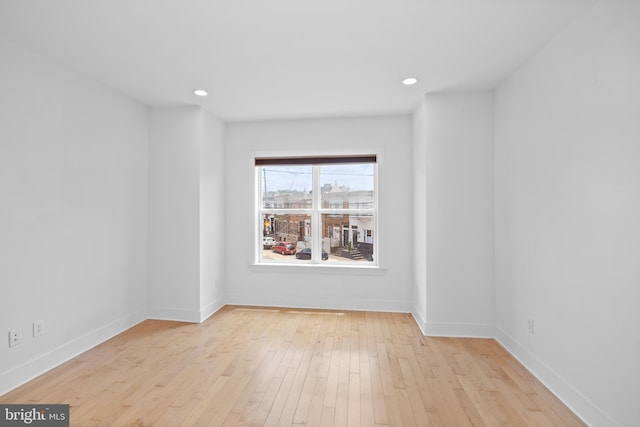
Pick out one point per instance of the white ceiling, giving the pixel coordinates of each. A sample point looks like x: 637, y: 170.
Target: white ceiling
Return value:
x: 264, y: 59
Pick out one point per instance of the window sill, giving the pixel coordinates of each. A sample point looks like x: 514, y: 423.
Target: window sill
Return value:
x: 374, y: 270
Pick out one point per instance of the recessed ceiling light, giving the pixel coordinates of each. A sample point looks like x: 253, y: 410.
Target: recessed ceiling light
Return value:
x: 410, y: 81
x: 200, y: 92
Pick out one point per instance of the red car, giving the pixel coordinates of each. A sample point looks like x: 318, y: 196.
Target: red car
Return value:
x: 285, y: 248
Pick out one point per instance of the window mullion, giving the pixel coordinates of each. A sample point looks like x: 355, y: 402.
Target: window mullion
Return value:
x: 348, y: 211
x: 316, y: 247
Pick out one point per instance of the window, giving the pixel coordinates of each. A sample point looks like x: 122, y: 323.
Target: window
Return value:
x: 317, y: 210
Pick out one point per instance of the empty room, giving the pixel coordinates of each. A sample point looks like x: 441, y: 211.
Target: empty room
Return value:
x: 297, y: 213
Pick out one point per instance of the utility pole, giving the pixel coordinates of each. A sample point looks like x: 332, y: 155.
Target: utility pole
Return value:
x: 264, y: 179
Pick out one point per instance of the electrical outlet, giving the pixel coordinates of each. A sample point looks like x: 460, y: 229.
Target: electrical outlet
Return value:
x: 15, y: 337
x: 38, y: 328
x: 531, y: 325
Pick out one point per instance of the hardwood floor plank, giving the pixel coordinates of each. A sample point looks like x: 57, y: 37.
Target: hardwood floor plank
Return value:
x: 354, y: 400
x: 377, y: 392
x: 367, y: 414
x: 260, y: 366
x: 341, y: 414
x: 281, y: 398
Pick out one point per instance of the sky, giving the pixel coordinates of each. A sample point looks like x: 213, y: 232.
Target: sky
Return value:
x: 357, y: 176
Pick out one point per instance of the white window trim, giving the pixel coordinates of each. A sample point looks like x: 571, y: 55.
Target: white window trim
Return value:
x: 259, y: 265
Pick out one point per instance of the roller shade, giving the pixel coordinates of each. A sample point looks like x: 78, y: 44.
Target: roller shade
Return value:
x: 314, y: 160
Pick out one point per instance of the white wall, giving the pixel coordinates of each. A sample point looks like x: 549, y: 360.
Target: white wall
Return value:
x: 174, y: 213
x: 185, y: 213
x: 567, y: 210
x: 212, y: 211
x: 419, y: 153
x: 458, y: 184
x: 73, y: 212
x: 390, y: 288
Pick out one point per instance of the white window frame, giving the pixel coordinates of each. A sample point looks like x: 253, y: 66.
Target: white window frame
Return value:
x: 316, y: 212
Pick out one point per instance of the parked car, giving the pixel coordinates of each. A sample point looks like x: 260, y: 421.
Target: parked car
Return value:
x: 268, y: 242
x: 285, y: 248
x: 306, y: 254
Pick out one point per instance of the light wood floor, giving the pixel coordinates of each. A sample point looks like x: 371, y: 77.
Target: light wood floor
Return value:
x: 264, y: 366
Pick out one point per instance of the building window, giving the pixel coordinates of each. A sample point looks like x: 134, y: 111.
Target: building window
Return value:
x: 317, y: 210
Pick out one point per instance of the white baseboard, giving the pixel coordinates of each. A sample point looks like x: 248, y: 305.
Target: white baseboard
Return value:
x: 462, y: 330
x: 174, y: 314
x: 182, y: 315
x: 49, y: 360
x: 420, y: 320
x: 209, y: 309
x: 572, y: 398
x: 320, y: 303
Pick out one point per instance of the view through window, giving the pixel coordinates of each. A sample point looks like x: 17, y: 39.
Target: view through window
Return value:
x: 317, y: 210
